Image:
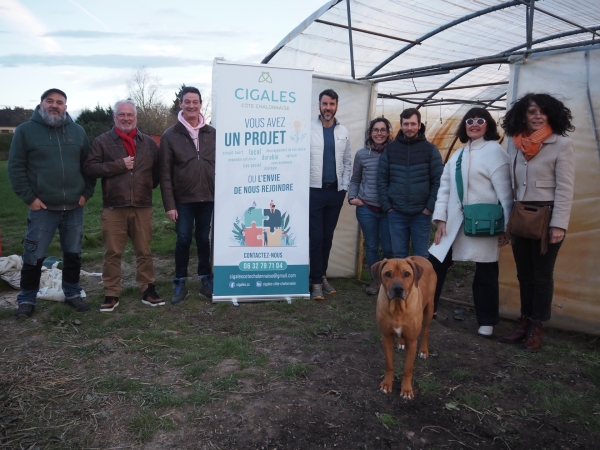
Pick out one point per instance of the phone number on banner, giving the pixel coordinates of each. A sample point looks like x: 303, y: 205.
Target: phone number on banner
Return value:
x: 263, y: 265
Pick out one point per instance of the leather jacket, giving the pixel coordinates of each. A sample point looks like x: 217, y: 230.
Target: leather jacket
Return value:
x: 187, y: 175
x: 120, y: 186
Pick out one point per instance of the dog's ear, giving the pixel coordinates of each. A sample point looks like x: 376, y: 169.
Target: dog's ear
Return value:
x: 376, y: 270
x: 417, y: 271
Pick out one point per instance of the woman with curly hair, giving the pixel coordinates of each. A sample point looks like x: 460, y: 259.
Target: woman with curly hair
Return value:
x: 483, y: 166
x: 542, y: 171
x: 363, y: 194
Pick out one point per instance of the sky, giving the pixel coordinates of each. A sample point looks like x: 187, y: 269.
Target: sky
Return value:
x: 90, y: 48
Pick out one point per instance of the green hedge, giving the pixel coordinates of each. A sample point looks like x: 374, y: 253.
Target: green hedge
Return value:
x: 5, y: 140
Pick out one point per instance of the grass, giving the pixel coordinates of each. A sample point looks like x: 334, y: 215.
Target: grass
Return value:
x: 472, y: 399
x: 146, y: 423
x: 146, y: 393
x: 460, y: 374
x: 429, y: 385
x: 13, y: 223
x: 390, y: 421
x: 572, y: 407
x: 293, y: 371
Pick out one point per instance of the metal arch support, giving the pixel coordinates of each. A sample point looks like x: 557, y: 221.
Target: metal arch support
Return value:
x: 590, y: 30
x: 503, y: 53
x: 350, y: 39
x: 442, y: 28
x: 470, y: 69
x: 537, y: 41
x: 496, y: 99
x: 529, y: 19
x: 499, y: 58
x: 551, y: 38
x: 448, y: 83
x: 299, y: 29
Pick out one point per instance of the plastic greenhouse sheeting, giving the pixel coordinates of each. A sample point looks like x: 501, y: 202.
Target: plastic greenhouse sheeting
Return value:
x: 442, y: 32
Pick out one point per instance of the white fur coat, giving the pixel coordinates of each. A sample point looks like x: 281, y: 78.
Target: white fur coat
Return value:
x: 486, y: 179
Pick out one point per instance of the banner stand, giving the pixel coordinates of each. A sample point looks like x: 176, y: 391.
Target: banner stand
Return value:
x: 262, y: 167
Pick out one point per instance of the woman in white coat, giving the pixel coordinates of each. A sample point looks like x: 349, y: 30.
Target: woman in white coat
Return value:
x: 486, y: 179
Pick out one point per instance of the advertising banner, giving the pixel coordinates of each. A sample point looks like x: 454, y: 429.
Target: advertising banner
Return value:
x: 262, y: 182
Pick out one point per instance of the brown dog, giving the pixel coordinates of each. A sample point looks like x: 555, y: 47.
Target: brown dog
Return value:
x: 404, y: 306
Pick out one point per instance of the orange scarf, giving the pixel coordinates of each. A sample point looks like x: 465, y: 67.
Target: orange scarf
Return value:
x: 530, y: 145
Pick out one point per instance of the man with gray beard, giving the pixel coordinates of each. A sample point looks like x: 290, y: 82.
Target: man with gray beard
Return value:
x: 45, y: 169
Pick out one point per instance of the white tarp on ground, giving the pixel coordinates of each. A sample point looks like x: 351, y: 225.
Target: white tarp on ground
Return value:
x: 354, y: 111
x: 50, y: 280
x: 572, y: 76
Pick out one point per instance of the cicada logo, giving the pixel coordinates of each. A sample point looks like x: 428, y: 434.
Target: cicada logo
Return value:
x: 265, y: 77
x: 232, y: 285
x: 258, y: 283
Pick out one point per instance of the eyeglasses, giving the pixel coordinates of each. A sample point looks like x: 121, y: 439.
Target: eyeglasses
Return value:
x: 479, y: 121
x: 379, y: 130
x: 123, y: 115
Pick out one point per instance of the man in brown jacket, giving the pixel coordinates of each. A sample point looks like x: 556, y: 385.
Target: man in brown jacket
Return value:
x: 127, y: 162
x: 187, y: 183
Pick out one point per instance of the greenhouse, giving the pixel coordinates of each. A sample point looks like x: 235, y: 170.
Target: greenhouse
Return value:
x: 445, y: 57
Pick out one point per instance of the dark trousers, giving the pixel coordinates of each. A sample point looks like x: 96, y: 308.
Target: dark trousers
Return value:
x: 486, y: 294
x: 535, y: 273
x: 324, y: 210
x: 196, y: 215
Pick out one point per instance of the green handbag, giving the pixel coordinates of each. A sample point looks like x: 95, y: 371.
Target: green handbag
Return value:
x: 481, y: 219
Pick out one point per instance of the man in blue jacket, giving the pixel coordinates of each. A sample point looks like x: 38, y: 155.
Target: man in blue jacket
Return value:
x: 408, y: 179
x: 45, y: 164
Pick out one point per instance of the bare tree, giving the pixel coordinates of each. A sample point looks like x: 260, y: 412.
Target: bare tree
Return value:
x: 207, y: 111
x: 153, y: 114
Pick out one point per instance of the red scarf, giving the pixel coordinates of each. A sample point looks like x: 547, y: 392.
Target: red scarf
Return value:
x: 530, y: 145
x: 128, y: 140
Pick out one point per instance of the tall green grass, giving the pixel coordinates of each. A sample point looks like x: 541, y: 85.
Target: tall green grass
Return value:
x: 13, y: 224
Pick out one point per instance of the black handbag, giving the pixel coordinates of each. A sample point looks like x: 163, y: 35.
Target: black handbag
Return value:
x: 480, y: 219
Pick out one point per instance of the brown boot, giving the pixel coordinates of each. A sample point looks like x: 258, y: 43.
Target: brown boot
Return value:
x: 520, y: 332
x: 534, y: 336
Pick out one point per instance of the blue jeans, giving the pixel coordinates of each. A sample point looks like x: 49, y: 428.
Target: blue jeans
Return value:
x: 403, y: 228
x: 190, y: 214
x: 324, y: 210
x: 376, y: 231
x: 41, y: 227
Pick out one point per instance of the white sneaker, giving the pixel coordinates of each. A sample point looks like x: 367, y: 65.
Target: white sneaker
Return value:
x: 485, y: 330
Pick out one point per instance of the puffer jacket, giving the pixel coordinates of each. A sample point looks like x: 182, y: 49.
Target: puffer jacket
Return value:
x: 120, y: 186
x: 363, y: 183
x: 187, y: 175
x: 409, y: 174
x: 46, y: 162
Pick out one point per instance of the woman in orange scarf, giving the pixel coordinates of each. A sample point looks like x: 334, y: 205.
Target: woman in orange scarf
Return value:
x: 543, y: 174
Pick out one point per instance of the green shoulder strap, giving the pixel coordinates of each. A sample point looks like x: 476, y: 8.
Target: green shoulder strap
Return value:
x: 459, y: 182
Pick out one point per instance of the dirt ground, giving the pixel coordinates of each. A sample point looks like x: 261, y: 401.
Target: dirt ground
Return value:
x: 317, y: 386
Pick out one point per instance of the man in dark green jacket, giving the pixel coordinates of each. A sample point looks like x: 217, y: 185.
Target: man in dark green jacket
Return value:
x: 45, y: 165
x: 408, y: 179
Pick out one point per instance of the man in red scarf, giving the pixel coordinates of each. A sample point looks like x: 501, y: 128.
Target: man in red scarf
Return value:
x: 127, y: 162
